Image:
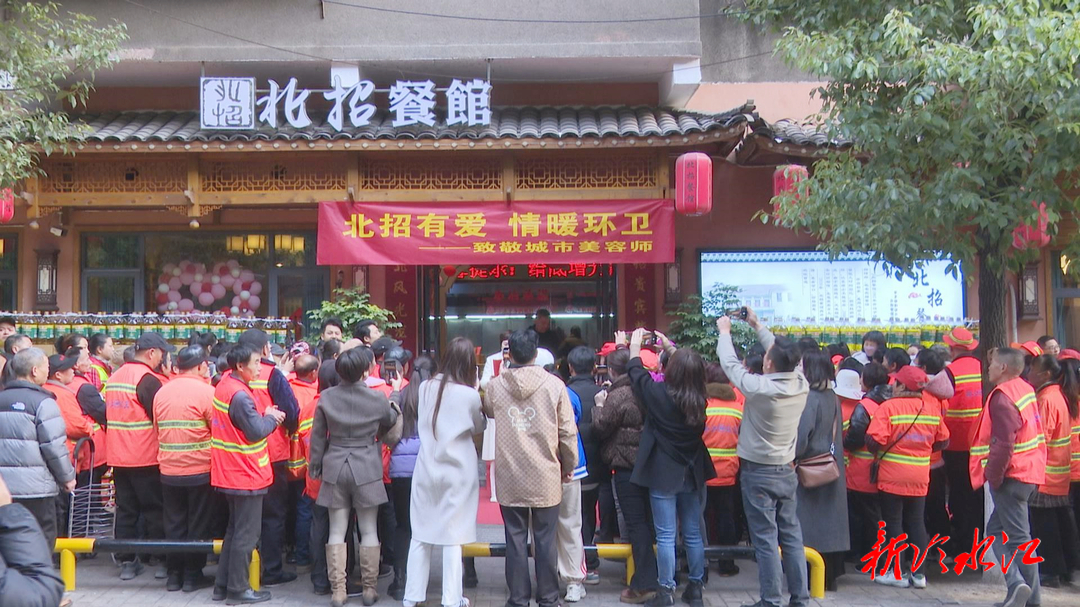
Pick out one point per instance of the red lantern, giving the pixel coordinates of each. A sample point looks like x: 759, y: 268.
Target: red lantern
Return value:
x: 786, y: 178
x: 7, y: 205
x: 1033, y: 237
x: 693, y: 184
x: 449, y: 270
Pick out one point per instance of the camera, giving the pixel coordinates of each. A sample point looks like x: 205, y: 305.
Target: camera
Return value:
x: 391, y: 370
x: 737, y: 313
x: 649, y: 339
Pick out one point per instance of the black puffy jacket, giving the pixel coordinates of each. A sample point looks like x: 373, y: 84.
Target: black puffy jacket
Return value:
x: 27, y: 577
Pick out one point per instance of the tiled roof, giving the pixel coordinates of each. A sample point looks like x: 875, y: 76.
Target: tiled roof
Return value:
x: 509, y: 122
x: 789, y: 131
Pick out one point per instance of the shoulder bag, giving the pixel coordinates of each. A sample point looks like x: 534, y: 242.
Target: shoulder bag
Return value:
x: 820, y: 469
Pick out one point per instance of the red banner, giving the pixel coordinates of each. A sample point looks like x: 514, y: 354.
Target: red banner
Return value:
x: 401, y: 298
x: 640, y: 293
x: 520, y: 232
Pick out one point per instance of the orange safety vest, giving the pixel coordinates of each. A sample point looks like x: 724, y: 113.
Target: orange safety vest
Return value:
x: 98, y: 434
x: 305, y: 396
x: 183, y: 409
x: 1054, y: 414
x: 722, y: 421
x: 857, y: 462
x: 905, y: 468
x: 1028, y: 461
x: 1075, y: 449
x: 311, y: 485
x: 942, y: 405
x: 386, y: 389
x: 76, y: 424
x: 236, y: 463
x: 132, y: 441
x: 966, y: 404
x: 278, y: 441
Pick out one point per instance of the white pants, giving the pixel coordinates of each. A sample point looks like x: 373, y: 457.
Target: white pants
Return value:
x: 571, y: 550
x: 419, y: 568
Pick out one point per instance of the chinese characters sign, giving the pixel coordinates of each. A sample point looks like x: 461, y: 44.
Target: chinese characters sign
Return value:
x: 526, y: 232
x: 230, y: 103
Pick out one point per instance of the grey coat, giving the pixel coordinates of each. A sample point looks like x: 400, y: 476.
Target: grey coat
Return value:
x: 34, y: 458
x: 348, y: 422
x: 822, y: 510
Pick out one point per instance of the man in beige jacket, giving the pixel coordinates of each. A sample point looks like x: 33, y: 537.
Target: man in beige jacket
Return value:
x: 535, y: 452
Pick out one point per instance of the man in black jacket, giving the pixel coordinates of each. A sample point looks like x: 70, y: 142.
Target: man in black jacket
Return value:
x: 582, y: 362
x: 27, y: 577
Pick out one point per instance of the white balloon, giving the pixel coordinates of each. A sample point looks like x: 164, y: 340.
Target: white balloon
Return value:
x: 245, y: 295
x: 163, y: 288
x: 235, y: 310
x: 177, y: 272
x: 215, y: 279
x: 235, y: 273
x: 173, y: 305
x: 198, y: 277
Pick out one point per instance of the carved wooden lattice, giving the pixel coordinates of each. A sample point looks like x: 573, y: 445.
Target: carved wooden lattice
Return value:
x: 431, y: 173
x: 275, y: 174
x: 585, y: 171
x: 113, y: 176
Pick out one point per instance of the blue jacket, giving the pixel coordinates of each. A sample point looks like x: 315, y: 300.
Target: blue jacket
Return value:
x: 581, y: 470
x: 403, y: 457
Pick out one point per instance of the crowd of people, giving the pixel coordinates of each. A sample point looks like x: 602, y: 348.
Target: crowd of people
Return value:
x: 356, y: 455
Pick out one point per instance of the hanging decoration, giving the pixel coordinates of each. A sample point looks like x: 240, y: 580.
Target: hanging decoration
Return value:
x: 786, y: 179
x: 1026, y: 236
x: 693, y: 184
x: 7, y: 205
x: 189, y: 286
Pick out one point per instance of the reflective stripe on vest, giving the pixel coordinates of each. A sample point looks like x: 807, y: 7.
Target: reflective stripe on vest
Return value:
x: 1054, y: 415
x: 1028, y: 461
x: 963, y: 409
x: 236, y: 463
x: 912, y: 425
x: 306, y: 393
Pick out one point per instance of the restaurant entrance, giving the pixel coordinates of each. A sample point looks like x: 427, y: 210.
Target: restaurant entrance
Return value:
x: 481, y: 302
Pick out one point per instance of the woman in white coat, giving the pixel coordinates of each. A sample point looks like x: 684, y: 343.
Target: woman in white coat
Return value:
x: 446, y: 485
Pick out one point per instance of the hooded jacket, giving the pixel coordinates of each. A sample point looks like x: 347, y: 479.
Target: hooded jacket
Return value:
x: 535, y: 436
x: 618, y: 424
x: 27, y: 577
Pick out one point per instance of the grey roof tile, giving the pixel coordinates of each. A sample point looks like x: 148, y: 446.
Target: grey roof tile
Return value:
x: 790, y: 131
x: 507, y: 122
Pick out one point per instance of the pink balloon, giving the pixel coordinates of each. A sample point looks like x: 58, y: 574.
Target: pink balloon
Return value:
x: 168, y: 268
x: 237, y: 287
x: 163, y: 307
x: 196, y: 287
x: 233, y: 264
x: 174, y: 296
x: 187, y: 278
x: 206, y: 299
x: 175, y: 283
x: 256, y: 288
x: 184, y: 265
x: 218, y: 291
x: 247, y: 276
x: 228, y: 281
x: 254, y: 302
x: 236, y: 300
x: 186, y: 305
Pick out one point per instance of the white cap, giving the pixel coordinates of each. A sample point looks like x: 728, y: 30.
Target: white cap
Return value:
x: 848, y: 385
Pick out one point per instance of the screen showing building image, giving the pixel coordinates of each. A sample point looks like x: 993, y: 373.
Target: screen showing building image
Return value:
x: 794, y: 287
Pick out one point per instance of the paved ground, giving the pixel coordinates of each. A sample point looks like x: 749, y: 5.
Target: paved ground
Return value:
x: 99, y: 586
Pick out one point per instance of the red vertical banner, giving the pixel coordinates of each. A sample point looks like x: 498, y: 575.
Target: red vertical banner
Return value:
x: 640, y: 293
x: 402, y: 292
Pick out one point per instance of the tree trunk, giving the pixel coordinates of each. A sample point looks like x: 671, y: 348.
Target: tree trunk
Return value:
x: 993, y: 289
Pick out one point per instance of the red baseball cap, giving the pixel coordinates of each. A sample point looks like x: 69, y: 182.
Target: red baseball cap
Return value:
x: 650, y: 360
x: 913, y: 378
x: 607, y: 349
x: 961, y: 338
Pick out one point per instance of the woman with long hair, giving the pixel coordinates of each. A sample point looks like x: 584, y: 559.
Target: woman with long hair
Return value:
x: 672, y: 460
x: 403, y: 463
x: 1052, y: 521
x: 822, y: 510
x: 446, y: 482
x: 346, y: 455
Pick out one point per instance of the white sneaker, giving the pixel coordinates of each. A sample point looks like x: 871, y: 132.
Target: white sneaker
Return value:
x: 890, y: 580
x: 918, y: 580
x: 574, y: 592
